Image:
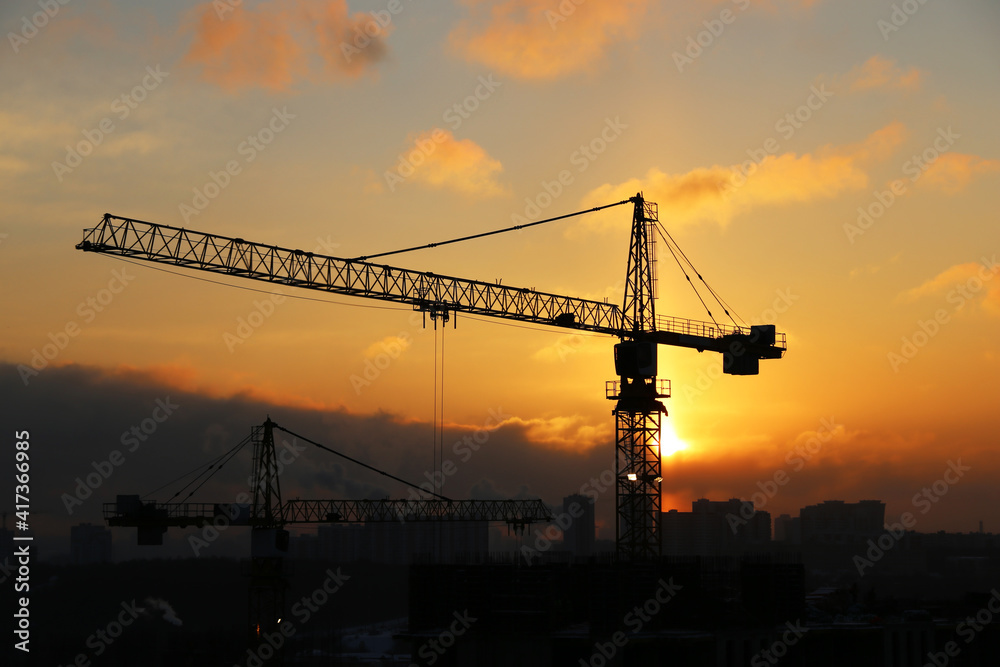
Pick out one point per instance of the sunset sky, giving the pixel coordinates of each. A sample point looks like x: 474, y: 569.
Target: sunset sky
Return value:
x: 827, y: 166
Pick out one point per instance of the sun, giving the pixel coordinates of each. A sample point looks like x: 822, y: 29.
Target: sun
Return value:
x: 670, y: 444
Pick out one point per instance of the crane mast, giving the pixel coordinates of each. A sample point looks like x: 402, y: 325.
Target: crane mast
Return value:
x: 638, y: 409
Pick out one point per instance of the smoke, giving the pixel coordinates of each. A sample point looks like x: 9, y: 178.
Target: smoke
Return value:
x: 162, y: 606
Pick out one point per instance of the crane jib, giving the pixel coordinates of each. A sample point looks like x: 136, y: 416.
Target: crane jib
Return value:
x: 136, y: 239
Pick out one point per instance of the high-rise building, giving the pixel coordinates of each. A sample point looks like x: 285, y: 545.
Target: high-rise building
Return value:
x: 788, y: 529
x: 715, y: 528
x: 838, y: 522
x: 580, y: 534
x: 89, y: 544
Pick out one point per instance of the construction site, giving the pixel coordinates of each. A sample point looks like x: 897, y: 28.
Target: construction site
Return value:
x: 538, y: 603
x: 500, y: 581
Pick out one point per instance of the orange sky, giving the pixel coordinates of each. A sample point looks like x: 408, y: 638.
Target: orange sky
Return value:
x: 829, y: 168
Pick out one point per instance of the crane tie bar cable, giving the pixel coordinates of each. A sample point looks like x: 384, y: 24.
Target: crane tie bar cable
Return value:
x: 228, y: 457
x: 725, y: 306
x: 212, y: 463
x: 363, y: 465
x: 365, y: 258
x: 690, y: 282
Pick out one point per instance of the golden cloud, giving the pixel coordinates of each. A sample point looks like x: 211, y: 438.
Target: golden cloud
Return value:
x: 568, y: 346
x: 391, y: 346
x: 270, y: 46
x: 952, y: 172
x: 719, y: 193
x: 436, y: 158
x: 963, y: 283
x: 878, y: 73
x: 541, y: 39
x: 564, y: 433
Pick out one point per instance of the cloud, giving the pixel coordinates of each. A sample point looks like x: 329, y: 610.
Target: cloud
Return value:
x: 963, y: 283
x: 843, y: 463
x: 184, y: 378
x: 440, y: 160
x: 19, y: 129
x: 141, y: 142
x: 564, y: 433
x: 78, y: 415
x: 872, y: 269
x: 371, y: 183
x: 719, y: 193
x: 544, y: 40
x: 23, y: 136
x: 568, y: 345
x: 951, y: 173
x: 13, y: 165
x: 274, y: 45
x: 878, y: 73
x: 943, y: 281
x: 392, y: 346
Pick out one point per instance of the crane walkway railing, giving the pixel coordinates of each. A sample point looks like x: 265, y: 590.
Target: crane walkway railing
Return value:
x: 686, y: 327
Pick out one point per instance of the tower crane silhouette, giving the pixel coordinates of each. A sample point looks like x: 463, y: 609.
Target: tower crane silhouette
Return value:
x: 637, y: 392
x: 267, y: 515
